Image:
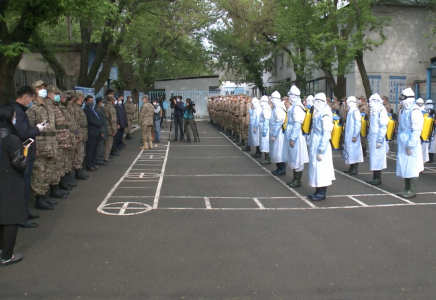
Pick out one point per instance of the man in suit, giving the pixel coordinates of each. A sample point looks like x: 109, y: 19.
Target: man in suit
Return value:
x: 101, y: 141
x: 121, y: 111
x: 94, y: 133
x: 25, y: 97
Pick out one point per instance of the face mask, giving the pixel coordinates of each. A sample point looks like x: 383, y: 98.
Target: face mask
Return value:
x: 14, y: 121
x: 42, y: 93
x: 429, y: 106
x: 57, y: 98
x: 318, y: 105
x: 90, y: 104
x: 29, y: 105
x: 131, y: 100
x: 116, y: 102
x: 120, y: 102
x: 154, y: 104
x: 102, y: 105
x: 178, y: 100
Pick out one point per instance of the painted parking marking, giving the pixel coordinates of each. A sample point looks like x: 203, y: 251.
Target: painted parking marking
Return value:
x: 259, y: 203
x: 207, y: 203
x: 124, y: 208
x: 159, y: 185
x: 358, y: 201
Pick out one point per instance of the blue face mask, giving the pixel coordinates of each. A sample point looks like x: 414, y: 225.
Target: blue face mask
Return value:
x: 29, y: 105
x: 14, y: 121
x: 57, y: 98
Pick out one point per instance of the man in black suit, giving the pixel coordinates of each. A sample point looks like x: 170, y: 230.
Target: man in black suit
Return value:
x: 24, y: 100
x: 121, y: 112
x: 100, y: 144
x: 94, y: 133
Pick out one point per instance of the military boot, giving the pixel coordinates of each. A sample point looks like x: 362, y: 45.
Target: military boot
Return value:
x: 412, y: 188
x: 70, y: 180
x: 266, y: 161
x: 63, y: 184
x: 145, y: 146
x: 56, y: 192
x: 242, y: 143
x: 83, y: 174
x: 354, y: 170
x: 41, y: 203
x: 406, y: 187
x: 297, y: 180
x: 150, y: 144
x: 79, y: 175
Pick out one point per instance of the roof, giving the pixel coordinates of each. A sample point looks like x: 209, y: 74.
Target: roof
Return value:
x: 191, y: 77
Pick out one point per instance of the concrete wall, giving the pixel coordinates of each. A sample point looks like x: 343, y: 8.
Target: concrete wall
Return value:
x: 194, y: 84
x: 35, y: 62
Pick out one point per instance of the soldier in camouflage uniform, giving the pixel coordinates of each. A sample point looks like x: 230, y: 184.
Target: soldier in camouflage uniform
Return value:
x: 81, y: 120
x: 46, y: 146
x: 74, y: 130
x: 234, y: 109
x: 56, y: 166
x: 246, y: 124
x: 130, y: 111
x: 209, y: 109
x: 111, y: 119
x: 146, y: 122
x: 363, y: 108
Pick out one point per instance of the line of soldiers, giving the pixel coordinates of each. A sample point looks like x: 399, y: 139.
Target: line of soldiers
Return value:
x: 276, y: 129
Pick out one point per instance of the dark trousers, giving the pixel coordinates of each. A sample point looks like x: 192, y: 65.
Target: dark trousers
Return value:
x: 8, y: 236
x: 119, y: 138
x: 163, y: 116
x: 178, y: 123
x: 91, y: 148
x: 99, y: 151
x: 190, y: 123
x: 28, y: 180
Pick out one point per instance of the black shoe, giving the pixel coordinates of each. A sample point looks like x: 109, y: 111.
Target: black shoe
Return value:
x: 64, y: 186
x: 56, y: 192
x: 32, y: 216
x: 115, y: 154
x: 28, y: 224
x: 92, y: 169
x: 102, y: 163
x: 52, y: 201
x: 41, y: 203
x: 257, y: 155
x: 17, y: 257
x: 279, y: 173
x: 107, y: 161
x: 247, y: 148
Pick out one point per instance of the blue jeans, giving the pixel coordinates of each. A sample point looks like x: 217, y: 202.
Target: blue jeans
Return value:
x: 157, y: 130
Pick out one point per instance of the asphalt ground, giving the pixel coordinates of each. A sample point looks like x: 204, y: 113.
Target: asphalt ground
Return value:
x: 206, y: 221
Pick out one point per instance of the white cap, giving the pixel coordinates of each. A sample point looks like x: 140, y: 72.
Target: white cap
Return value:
x: 276, y: 95
x: 321, y: 96
x: 408, y: 93
x: 294, y: 91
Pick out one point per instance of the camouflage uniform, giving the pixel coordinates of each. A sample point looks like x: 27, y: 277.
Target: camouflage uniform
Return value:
x: 74, y: 131
x: 80, y: 117
x: 46, y: 145
x: 242, y: 105
x: 146, y: 121
x: 246, y: 120
x: 111, y: 119
x: 130, y: 111
x: 235, y: 116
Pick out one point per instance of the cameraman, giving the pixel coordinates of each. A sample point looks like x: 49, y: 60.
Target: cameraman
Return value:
x: 189, y: 120
x: 157, y: 115
x: 179, y: 109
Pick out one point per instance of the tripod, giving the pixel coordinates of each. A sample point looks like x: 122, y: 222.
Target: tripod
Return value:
x: 171, y: 124
x: 190, y: 112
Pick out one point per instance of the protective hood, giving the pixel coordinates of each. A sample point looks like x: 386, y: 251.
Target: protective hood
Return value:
x: 276, y: 98
x: 264, y: 101
x: 420, y: 102
x: 255, y: 102
x: 408, y: 102
x: 309, y: 100
x: 374, y: 103
x: 294, y: 94
x: 351, y: 101
x: 320, y: 102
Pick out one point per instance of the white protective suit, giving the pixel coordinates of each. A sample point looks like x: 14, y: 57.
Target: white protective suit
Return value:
x: 297, y: 155
x: 424, y: 145
x: 277, y: 136
x: 378, y: 125
x: 429, y: 106
x: 409, y: 165
x: 264, y: 120
x: 253, y: 129
x: 353, y: 150
x: 321, y: 170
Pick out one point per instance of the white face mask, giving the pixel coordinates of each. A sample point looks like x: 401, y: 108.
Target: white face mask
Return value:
x: 178, y: 100
x: 42, y: 93
x: 116, y: 102
x: 318, y: 105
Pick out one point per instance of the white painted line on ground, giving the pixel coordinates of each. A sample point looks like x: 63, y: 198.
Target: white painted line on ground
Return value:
x: 123, y: 209
x: 219, y: 175
x: 358, y: 201
x: 275, y: 177
x: 140, y: 180
x: 195, y: 144
x: 134, y: 187
x: 375, y: 187
x: 259, y: 203
x: 141, y: 175
x: 207, y: 202
x: 131, y: 197
x: 159, y: 185
x: 103, y: 203
x: 211, y: 157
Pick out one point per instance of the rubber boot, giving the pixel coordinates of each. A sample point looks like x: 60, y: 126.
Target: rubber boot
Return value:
x: 277, y: 169
x: 322, y: 195
x: 430, y: 157
x: 79, y: 175
x: 364, y: 151
x: 150, y: 144
x: 355, y: 170
x: 294, y: 178
x: 297, y: 182
x: 266, y: 161
x: 376, y: 179
x: 412, y: 188
x: 406, y: 187
x: 349, y: 169
x: 258, y: 153
x: 247, y: 148
x: 56, y: 192
x: 41, y: 203
x: 314, y: 194
x: 145, y: 146
x: 281, y: 169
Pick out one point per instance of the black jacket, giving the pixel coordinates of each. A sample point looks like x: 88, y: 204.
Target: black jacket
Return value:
x: 23, y: 127
x: 13, y: 164
x: 94, y: 124
x: 103, y: 120
x: 122, y: 116
x: 179, y: 109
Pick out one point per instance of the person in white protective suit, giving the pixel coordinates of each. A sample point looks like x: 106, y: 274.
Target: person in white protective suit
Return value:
x: 352, y: 146
x: 378, y: 125
x: 409, y: 153
x: 321, y: 171
x: 429, y: 107
x: 424, y: 146
x: 309, y: 101
x: 253, y: 127
x: 277, y: 135
x: 295, y: 143
x: 265, y: 117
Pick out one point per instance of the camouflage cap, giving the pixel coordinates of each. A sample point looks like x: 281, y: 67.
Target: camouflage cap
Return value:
x: 53, y: 89
x: 110, y: 98
x: 38, y: 83
x: 70, y: 93
x: 79, y: 94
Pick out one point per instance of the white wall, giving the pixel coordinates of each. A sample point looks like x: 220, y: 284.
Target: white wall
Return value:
x: 195, y: 84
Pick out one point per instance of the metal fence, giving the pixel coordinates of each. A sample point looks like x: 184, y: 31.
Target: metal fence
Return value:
x: 198, y: 97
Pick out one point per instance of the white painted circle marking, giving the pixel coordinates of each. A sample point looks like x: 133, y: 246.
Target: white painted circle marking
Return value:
x: 123, y: 208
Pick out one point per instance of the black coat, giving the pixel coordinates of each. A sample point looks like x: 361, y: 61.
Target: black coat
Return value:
x: 103, y: 120
x: 23, y: 127
x: 179, y: 109
x: 13, y: 164
x: 122, y: 116
x: 94, y: 124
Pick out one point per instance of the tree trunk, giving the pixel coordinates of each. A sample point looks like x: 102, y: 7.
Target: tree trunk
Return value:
x: 129, y: 78
x: 105, y: 71
x: 85, y: 32
x: 364, y: 75
x: 7, y: 73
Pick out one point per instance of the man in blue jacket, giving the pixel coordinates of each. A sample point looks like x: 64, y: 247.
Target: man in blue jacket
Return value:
x: 24, y: 100
x: 94, y: 133
x: 179, y: 109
